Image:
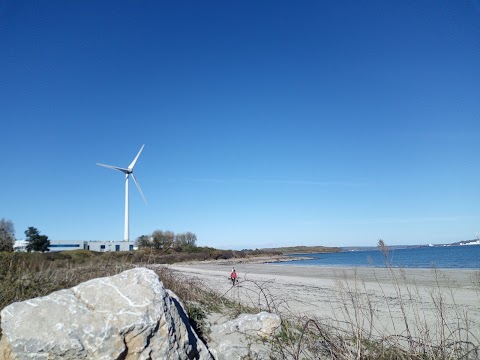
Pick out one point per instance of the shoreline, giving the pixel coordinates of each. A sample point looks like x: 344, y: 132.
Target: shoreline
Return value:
x: 280, y: 259
x: 247, y: 260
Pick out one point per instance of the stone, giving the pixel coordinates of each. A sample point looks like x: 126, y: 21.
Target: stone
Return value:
x: 261, y: 324
x: 243, y: 337
x: 125, y: 317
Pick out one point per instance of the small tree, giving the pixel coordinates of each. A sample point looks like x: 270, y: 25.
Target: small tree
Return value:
x: 7, y: 235
x: 143, y: 242
x: 185, y: 242
x: 180, y: 241
x: 36, y: 242
x: 191, y: 239
x: 162, y: 239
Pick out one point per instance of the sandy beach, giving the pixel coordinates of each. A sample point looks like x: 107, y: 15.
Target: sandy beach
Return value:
x: 378, y: 299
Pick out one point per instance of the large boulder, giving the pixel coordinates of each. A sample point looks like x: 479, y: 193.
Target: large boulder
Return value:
x: 127, y: 316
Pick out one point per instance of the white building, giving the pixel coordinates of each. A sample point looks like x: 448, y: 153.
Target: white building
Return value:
x: 20, y: 246
x: 66, y: 245
x: 476, y: 242
x: 107, y: 246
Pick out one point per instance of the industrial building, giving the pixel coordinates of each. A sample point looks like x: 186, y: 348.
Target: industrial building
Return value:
x: 107, y: 246
x: 66, y: 245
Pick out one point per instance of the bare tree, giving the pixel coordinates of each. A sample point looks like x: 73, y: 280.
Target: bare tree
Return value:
x: 7, y: 235
x: 180, y: 241
x: 185, y: 241
x: 191, y: 239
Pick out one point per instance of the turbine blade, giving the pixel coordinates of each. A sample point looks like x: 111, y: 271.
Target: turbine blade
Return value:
x: 115, y: 168
x: 139, y: 188
x: 130, y: 167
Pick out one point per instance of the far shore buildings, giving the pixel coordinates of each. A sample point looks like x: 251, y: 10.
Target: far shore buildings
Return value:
x: 65, y: 245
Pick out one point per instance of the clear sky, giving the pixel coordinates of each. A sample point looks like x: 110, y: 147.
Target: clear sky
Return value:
x: 265, y: 123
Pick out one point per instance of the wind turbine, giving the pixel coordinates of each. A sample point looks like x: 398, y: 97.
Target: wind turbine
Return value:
x: 128, y: 171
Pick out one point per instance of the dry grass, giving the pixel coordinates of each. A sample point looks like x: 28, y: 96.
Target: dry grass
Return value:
x: 25, y: 276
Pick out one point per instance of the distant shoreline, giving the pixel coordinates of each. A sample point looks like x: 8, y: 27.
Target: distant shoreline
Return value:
x: 248, y: 260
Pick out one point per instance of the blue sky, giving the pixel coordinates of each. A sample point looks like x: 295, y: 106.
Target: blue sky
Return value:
x: 265, y: 123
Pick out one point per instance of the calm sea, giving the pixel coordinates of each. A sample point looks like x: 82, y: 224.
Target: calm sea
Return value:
x: 459, y: 257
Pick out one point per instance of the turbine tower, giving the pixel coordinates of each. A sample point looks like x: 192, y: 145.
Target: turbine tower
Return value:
x: 128, y: 171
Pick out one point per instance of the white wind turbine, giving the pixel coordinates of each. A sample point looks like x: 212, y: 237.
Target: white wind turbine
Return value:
x: 128, y: 171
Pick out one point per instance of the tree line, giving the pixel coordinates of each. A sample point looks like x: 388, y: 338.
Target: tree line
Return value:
x: 159, y: 240
x: 166, y: 240
x: 36, y: 242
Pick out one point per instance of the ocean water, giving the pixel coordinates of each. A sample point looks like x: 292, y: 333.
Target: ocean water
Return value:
x: 442, y: 257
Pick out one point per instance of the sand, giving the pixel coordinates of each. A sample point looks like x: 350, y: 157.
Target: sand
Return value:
x: 376, y: 299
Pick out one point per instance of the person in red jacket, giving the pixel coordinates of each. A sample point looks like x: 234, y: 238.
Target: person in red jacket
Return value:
x: 233, y: 276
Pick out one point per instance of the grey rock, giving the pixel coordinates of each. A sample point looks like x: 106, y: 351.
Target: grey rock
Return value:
x: 244, y: 337
x: 125, y: 317
x: 240, y: 349
x: 261, y: 324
